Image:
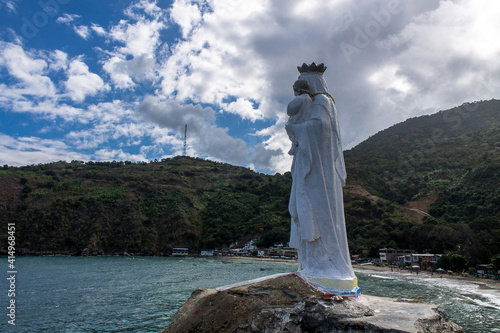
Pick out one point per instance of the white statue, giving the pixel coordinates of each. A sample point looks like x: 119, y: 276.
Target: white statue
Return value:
x: 316, y: 202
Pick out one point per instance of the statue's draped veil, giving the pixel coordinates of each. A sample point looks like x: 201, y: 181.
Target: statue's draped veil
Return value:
x: 316, y: 201
x: 317, y: 85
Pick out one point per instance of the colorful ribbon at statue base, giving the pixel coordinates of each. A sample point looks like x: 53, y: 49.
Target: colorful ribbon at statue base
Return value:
x: 346, y: 288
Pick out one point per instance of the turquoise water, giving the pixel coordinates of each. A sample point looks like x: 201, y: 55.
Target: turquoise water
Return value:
x: 141, y: 294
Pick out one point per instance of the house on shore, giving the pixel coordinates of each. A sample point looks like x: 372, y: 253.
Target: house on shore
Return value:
x: 180, y: 251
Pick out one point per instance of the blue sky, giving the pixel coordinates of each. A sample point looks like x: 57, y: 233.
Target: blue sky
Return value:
x: 119, y: 79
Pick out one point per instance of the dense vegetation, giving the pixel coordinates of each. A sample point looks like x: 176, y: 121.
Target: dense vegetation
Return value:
x: 147, y: 208
x: 449, y: 160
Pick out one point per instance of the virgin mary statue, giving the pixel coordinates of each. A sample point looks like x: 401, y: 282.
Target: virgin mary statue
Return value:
x: 316, y: 202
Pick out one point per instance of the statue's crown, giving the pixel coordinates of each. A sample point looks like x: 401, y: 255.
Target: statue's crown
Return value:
x: 312, y: 68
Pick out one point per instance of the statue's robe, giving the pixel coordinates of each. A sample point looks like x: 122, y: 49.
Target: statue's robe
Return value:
x: 316, y: 202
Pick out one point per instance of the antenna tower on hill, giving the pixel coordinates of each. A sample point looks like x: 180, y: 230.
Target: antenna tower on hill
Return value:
x: 185, y: 140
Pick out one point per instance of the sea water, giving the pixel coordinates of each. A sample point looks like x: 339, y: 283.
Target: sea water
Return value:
x: 141, y: 294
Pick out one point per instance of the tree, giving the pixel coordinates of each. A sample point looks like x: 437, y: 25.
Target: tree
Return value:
x: 495, y: 261
x: 444, y: 262
x: 452, y: 261
x: 458, y: 262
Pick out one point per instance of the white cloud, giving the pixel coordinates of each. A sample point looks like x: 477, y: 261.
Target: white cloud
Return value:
x: 50, y: 109
x: 444, y: 55
x: 135, y: 60
x: 10, y: 4
x: 117, y: 69
x: 29, y: 69
x: 109, y: 122
x: 244, y: 108
x: 138, y: 10
x: 139, y: 38
x: 186, y: 15
x: 215, y: 62
x: 98, y: 29
x: 82, y: 31
x: 116, y: 155
x: 33, y: 150
x: 58, y: 60
x: 35, y: 92
x: 123, y: 72
x: 272, y: 153
x: 240, y: 57
x: 81, y: 82
x: 67, y: 18
x: 204, y: 136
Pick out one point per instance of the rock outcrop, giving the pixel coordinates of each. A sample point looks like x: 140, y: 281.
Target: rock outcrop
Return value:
x: 286, y: 303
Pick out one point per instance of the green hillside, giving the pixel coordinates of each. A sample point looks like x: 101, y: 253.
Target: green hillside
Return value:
x: 146, y: 208
x: 430, y: 183
x: 451, y: 160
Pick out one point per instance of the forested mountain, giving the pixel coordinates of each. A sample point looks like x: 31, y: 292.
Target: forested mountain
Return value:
x: 447, y: 165
x: 430, y: 183
x: 146, y: 208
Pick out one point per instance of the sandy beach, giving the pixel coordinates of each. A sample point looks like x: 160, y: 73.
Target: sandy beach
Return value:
x: 482, y: 282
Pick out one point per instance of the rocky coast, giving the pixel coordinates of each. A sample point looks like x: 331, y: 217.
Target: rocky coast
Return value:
x: 286, y: 303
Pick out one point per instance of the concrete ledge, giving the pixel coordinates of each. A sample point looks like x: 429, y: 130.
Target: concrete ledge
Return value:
x: 285, y: 303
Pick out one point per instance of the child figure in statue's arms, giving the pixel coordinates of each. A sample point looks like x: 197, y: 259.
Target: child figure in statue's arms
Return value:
x: 299, y: 110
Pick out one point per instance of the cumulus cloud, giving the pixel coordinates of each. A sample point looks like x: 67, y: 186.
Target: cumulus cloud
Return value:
x: 108, y: 121
x: 58, y: 60
x: 187, y: 15
x: 33, y: 150
x: 98, y: 29
x: 134, y: 60
x: 123, y: 72
x: 216, y: 64
x: 81, y: 82
x: 51, y: 109
x: 204, y: 136
x: 82, y: 31
x: 116, y: 155
x: 138, y: 38
x: 29, y: 70
x: 370, y: 50
x: 236, y: 59
x: 450, y: 44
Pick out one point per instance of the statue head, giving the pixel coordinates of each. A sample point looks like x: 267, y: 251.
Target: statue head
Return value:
x: 300, y: 87
x: 313, y: 74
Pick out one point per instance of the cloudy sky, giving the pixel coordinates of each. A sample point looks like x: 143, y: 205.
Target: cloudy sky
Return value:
x: 119, y: 79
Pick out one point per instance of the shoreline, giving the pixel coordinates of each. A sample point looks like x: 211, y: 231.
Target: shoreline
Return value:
x: 481, y: 282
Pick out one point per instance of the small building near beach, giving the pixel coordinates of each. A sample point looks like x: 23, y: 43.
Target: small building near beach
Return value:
x: 207, y: 253
x: 180, y: 251
x: 423, y: 260
x: 389, y: 256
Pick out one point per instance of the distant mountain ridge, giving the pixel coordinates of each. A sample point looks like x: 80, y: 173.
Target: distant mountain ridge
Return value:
x: 429, y: 183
